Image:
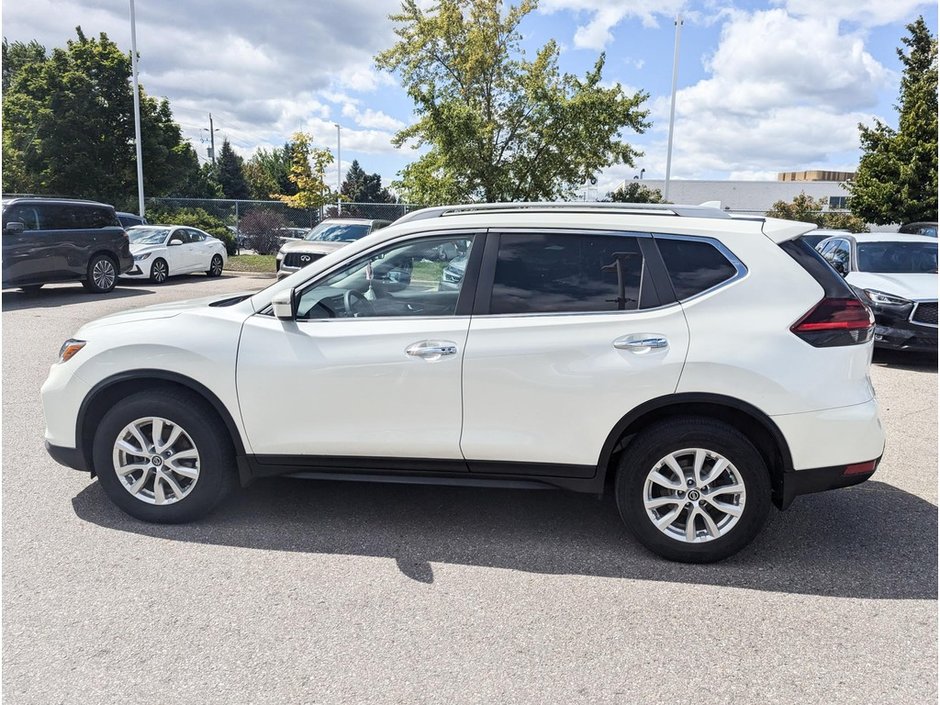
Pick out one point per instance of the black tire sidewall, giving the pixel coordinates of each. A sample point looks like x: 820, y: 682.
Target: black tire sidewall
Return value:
x: 660, y: 440
x: 216, y: 459
x: 221, y: 265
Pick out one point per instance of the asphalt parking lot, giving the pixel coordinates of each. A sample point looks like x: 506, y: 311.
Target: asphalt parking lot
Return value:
x: 315, y: 592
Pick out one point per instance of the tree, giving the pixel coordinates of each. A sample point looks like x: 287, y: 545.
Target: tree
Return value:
x: 261, y: 228
x: 499, y: 127
x: 268, y: 172
x: 68, y: 126
x: 16, y: 56
x: 807, y: 209
x: 230, y: 173
x: 360, y: 187
x: 896, y: 180
x: 312, y: 191
x: 635, y: 192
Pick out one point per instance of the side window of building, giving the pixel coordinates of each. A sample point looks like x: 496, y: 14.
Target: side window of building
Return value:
x: 694, y: 266
x: 565, y: 273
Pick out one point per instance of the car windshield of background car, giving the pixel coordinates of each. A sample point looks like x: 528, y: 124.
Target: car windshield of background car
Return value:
x: 147, y: 236
x: 897, y: 257
x: 338, y: 232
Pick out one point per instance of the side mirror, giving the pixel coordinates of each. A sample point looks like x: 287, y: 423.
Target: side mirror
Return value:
x: 15, y: 226
x: 283, y: 305
x: 174, y: 241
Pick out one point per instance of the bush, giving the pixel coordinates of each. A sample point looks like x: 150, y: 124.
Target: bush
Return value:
x: 260, y: 229
x: 195, y: 218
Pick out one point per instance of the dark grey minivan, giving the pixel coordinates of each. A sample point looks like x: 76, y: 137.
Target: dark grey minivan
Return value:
x: 53, y: 240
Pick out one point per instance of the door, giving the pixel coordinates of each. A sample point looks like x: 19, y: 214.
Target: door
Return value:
x: 571, y: 330
x: 179, y: 258
x: 202, y: 251
x: 20, y: 247
x: 369, y: 368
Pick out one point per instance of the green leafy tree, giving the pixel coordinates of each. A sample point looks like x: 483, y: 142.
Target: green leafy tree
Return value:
x: 17, y: 55
x: 500, y: 127
x: 307, y: 168
x: 195, y: 218
x: 230, y: 173
x: 897, y: 175
x: 807, y: 209
x: 268, y: 172
x: 68, y: 127
x: 360, y: 187
x: 635, y: 192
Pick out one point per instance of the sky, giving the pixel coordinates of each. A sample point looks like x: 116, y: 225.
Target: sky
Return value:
x: 763, y: 87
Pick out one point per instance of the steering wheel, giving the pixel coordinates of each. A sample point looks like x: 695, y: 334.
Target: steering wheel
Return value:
x: 349, y: 304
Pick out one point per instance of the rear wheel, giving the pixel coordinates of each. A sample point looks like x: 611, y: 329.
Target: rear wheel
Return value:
x: 102, y: 274
x: 164, y: 457
x: 159, y: 271
x: 215, y: 266
x: 693, y: 489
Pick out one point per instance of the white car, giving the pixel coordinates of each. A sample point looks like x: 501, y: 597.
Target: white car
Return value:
x: 897, y: 276
x: 162, y: 251
x: 699, y: 366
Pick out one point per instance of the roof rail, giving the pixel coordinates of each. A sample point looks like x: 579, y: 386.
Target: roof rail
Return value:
x: 566, y: 207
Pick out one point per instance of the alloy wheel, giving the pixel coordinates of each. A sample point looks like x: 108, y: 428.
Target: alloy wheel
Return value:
x: 103, y: 273
x: 156, y: 460
x: 159, y: 272
x: 694, y: 495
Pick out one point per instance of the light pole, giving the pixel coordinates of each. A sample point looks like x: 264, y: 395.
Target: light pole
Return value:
x: 211, y: 130
x: 140, y: 159
x: 338, y: 177
x: 672, y: 108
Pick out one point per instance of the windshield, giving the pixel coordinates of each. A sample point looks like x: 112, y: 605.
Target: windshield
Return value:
x: 897, y: 257
x: 338, y: 232
x: 147, y: 236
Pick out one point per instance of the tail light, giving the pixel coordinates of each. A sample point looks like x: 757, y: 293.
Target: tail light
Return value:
x: 836, y: 321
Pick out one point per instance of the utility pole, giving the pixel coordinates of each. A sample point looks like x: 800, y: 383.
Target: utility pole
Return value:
x: 140, y: 159
x: 339, y: 183
x: 672, y: 108
x: 212, y: 130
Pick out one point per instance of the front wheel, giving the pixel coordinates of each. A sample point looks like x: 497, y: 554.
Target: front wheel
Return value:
x: 159, y: 271
x: 101, y: 276
x: 164, y: 457
x: 215, y: 266
x: 693, y: 489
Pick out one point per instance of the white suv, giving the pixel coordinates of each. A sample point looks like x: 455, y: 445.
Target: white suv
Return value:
x: 700, y: 366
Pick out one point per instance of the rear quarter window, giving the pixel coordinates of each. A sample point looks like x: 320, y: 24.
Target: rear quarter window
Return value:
x: 694, y: 266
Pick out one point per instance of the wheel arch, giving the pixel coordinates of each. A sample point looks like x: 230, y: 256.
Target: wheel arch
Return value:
x: 109, y: 390
x: 747, y: 418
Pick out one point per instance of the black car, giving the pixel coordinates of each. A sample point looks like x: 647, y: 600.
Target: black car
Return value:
x: 129, y: 220
x: 928, y: 229
x: 53, y: 240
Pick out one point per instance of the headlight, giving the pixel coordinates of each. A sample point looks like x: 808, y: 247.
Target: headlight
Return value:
x: 69, y: 348
x: 879, y: 297
x: 141, y: 258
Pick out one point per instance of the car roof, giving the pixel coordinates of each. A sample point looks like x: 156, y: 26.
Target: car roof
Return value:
x: 51, y: 199
x: 353, y: 221
x: 892, y: 237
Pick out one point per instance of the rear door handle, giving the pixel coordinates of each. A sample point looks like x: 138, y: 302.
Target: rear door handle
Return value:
x: 642, y: 343
x: 432, y: 350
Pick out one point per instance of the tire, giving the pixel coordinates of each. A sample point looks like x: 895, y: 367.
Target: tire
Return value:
x: 202, y: 474
x: 641, y: 499
x: 31, y: 289
x: 159, y: 271
x: 215, y: 266
x: 102, y: 274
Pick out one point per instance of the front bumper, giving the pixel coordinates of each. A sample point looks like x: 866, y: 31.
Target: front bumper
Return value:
x: 895, y: 330
x: 135, y: 272
x: 69, y: 457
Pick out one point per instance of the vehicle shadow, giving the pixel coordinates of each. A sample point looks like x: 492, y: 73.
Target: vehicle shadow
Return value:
x: 871, y: 541
x: 53, y: 297
x: 905, y: 360
x: 179, y: 279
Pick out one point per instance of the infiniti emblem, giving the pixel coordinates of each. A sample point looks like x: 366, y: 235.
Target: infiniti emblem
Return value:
x: 305, y: 258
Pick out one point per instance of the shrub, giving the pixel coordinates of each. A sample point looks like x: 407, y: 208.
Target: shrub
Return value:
x: 260, y: 229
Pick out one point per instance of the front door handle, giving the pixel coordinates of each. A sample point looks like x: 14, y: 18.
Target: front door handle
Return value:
x: 642, y: 343
x: 432, y: 350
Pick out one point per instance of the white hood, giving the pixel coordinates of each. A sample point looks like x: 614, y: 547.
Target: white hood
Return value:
x: 167, y: 310
x: 916, y: 287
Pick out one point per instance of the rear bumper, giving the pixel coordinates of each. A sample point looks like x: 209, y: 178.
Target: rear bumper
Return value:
x: 800, y: 482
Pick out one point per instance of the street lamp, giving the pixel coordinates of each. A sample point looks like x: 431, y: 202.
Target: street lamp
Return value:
x: 338, y: 177
x: 140, y: 159
x: 672, y: 107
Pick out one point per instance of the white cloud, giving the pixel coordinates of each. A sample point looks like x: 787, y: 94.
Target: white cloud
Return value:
x: 869, y: 13
x: 605, y: 15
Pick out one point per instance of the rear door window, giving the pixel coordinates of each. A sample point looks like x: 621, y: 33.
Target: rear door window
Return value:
x: 566, y: 273
x: 694, y: 266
